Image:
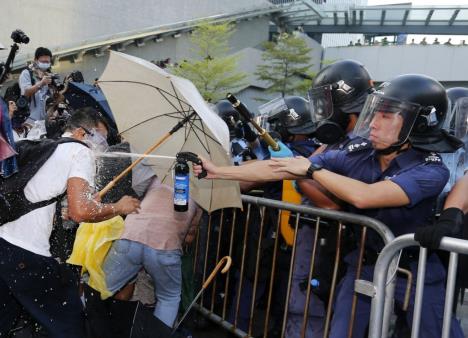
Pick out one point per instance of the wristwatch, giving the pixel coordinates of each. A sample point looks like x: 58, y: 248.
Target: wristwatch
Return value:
x: 313, y: 168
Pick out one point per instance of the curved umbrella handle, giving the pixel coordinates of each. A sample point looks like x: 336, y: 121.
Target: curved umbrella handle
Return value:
x: 227, y: 266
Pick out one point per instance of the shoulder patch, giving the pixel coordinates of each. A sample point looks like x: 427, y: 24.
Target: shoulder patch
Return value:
x: 433, y: 158
x: 358, y: 145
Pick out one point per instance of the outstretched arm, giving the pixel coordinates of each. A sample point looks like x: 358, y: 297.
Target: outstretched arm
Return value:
x: 257, y: 171
x: 362, y: 195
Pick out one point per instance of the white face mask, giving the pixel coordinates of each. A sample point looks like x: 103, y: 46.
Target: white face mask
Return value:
x: 43, y: 65
x: 96, y: 141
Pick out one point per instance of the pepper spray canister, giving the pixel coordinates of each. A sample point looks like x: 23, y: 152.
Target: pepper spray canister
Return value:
x: 181, y: 185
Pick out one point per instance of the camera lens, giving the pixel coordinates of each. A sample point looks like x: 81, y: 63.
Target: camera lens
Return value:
x: 22, y: 103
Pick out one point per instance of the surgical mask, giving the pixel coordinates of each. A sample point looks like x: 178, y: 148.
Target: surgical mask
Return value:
x: 43, y: 65
x: 96, y: 141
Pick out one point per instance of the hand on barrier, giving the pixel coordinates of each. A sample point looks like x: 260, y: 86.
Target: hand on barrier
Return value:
x: 450, y: 223
x: 283, y: 151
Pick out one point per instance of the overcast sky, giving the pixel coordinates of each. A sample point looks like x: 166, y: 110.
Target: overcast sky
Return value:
x: 442, y: 38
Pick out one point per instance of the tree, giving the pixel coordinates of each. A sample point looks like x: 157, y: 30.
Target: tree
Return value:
x: 287, y: 64
x: 213, y: 71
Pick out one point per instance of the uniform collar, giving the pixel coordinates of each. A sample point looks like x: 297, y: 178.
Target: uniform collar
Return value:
x: 408, y: 158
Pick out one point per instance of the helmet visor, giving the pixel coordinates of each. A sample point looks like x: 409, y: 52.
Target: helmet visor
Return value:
x: 386, y: 121
x: 273, y: 108
x: 460, y: 111
x: 321, y: 103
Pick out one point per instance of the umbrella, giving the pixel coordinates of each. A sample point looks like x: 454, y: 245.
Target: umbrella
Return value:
x: 148, y: 103
x: 81, y: 95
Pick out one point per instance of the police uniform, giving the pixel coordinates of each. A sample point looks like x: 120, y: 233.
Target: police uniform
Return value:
x: 422, y: 176
x: 272, y: 190
x: 304, y: 248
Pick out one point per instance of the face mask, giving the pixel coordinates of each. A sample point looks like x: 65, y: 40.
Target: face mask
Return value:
x: 43, y: 65
x: 96, y: 141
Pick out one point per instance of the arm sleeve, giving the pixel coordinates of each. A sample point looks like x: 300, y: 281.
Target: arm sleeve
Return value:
x: 24, y: 81
x: 422, y: 181
x: 83, y: 165
x: 330, y: 160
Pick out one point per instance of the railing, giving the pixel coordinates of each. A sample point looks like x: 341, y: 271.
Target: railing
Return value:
x: 454, y: 246
x: 245, y: 235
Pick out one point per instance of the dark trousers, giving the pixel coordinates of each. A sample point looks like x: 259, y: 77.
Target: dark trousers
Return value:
x: 46, y: 290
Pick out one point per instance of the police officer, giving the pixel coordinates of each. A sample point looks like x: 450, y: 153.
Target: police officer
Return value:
x: 292, y: 121
x: 334, y: 128
x: 455, y: 124
x: 337, y: 96
x: 289, y: 119
x: 391, y: 174
x: 244, y: 143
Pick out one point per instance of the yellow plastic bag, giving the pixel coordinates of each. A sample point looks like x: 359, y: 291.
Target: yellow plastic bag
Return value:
x: 92, y: 243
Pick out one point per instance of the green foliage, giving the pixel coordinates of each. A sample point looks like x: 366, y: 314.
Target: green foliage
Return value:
x: 286, y: 61
x: 212, y: 71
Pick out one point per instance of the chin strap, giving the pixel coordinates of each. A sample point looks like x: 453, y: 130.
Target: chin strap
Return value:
x: 398, y: 148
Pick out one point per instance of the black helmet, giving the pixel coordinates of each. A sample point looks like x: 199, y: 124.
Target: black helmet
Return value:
x: 422, y: 103
x: 225, y: 110
x: 231, y: 116
x: 337, y: 90
x: 291, y: 116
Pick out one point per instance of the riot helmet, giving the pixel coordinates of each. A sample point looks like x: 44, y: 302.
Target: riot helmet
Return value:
x: 231, y: 117
x: 454, y: 94
x: 410, y: 108
x: 460, y: 113
x: 289, y: 116
x: 338, y: 89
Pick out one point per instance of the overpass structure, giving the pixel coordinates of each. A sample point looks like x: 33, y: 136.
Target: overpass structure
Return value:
x: 311, y: 16
x: 389, y: 19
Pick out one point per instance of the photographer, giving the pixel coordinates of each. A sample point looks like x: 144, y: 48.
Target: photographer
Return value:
x: 18, y: 118
x: 34, y: 83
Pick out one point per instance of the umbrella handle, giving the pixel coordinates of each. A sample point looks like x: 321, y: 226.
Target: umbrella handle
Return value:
x: 227, y: 266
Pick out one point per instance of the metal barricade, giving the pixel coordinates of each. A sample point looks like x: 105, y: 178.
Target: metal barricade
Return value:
x: 377, y: 322
x: 224, y: 234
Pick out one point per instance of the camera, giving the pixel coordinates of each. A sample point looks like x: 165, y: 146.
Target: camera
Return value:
x: 77, y: 76
x: 18, y: 36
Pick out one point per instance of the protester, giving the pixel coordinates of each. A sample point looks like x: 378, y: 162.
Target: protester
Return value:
x: 29, y: 276
x: 397, y: 148
x: 153, y: 240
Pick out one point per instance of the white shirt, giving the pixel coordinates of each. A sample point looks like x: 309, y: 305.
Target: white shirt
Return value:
x: 37, y: 106
x: 32, y: 231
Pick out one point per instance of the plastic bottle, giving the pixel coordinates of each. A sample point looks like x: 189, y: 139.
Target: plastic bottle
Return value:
x: 181, y: 185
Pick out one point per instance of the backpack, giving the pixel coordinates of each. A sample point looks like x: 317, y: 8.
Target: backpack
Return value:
x: 31, y: 157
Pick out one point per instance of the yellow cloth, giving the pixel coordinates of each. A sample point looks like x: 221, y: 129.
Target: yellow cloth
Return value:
x: 92, y: 242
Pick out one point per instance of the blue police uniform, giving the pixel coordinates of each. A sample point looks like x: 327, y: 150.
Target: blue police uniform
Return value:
x: 422, y: 176
x: 272, y: 190
x: 304, y: 248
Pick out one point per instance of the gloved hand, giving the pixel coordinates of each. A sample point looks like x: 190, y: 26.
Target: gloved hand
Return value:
x: 283, y: 151
x: 450, y: 223
x: 249, y: 134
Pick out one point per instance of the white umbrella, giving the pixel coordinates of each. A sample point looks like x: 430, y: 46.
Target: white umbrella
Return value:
x: 148, y: 102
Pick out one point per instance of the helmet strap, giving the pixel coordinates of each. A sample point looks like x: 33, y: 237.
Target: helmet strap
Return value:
x: 398, y: 148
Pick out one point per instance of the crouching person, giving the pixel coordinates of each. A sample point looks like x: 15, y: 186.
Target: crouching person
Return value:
x: 153, y: 240
x: 29, y: 277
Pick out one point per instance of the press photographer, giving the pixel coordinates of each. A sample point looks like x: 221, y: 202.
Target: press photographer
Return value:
x: 36, y: 82
x: 18, y: 111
